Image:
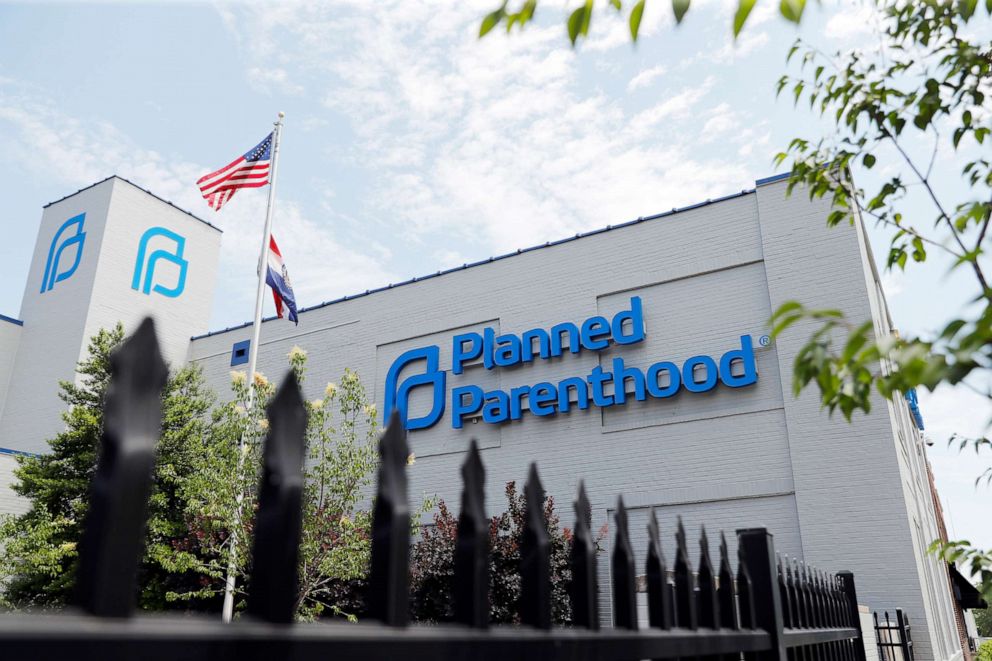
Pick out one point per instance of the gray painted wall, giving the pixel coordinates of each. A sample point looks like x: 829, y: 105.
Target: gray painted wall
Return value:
x: 839, y: 495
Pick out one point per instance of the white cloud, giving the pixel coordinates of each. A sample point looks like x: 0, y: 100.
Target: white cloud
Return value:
x: 854, y: 20
x: 746, y: 44
x: 489, y: 144
x: 269, y: 79
x: 646, y: 76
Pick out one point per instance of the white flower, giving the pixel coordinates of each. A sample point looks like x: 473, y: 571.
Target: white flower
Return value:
x: 260, y: 380
x: 238, y: 377
x: 330, y: 390
x: 317, y: 403
x: 296, y: 352
x: 411, y: 460
x: 369, y: 410
x: 240, y: 410
x: 263, y: 424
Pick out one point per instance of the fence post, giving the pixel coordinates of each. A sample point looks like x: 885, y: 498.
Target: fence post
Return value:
x: 904, y: 640
x: 113, y: 536
x: 273, y: 584
x: 471, y: 593
x: 854, y: 616
x: 624, y: 596
x: 535, y: 558
x: 389, y: 575
x: 583, y: 589
x: 762, y: 567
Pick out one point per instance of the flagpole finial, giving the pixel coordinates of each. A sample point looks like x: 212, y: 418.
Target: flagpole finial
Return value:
x: 281, y: 114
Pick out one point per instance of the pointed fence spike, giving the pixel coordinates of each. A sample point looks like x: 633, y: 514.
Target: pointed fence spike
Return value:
x: 725, y: 591
x: 113, y: 534
x: 706, y: 605
x: 624, y: 588
x: 745, y: 590
x: 388, y: 595
x: 535, y: 557
x: 786, y: 596
x: 583, y: 587
x: 685, y: 593
x: 275, y: 552
x: 661, y: 609
x: 471, y: 593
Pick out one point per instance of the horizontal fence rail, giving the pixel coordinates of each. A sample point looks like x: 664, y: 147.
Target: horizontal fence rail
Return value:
x: 766, y: 608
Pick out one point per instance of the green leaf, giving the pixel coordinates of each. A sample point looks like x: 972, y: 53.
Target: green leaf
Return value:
x: 578, y: 22
x: 744, y: 8
x: 680, y: 7
x: 869, y: 161
x: 616, y: 4
x: 792, y: 10
x: 635, y: 19
x: 490, y: 21
x: 966, y: 8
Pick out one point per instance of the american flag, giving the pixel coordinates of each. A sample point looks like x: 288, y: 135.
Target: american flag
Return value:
x: 248, y: 171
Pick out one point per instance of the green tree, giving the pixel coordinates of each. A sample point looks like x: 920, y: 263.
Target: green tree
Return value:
x: 920, y: 91
x: 983, y: 622
x: 39, y: 555
x: 341, y: 440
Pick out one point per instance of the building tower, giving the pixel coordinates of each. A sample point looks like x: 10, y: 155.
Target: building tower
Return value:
x: 107, y: 253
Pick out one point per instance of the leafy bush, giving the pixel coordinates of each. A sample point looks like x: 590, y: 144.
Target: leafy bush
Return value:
x: 433, y: 563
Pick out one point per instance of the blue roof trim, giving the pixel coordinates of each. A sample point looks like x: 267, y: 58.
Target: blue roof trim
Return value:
x: 16, y: 322
x: 18, y: 453
x: 518, y: 251
x: 772, y: 179
x: 128, y: 181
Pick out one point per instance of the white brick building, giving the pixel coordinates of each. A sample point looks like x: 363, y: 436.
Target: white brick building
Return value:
x: 841, y: 496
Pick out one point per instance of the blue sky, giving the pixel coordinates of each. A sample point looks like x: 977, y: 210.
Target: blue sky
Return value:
x: 411, y: 146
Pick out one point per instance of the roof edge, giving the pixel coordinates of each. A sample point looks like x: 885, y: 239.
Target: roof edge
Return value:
x: 518, y: 251
x: 16, y: 322
x: 144, y: 190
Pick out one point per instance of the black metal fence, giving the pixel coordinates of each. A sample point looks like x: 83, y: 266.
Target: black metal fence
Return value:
x: 894, y: 638
x: 766, y: 609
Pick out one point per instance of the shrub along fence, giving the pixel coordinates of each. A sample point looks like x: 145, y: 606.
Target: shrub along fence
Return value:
x: 765, y: 610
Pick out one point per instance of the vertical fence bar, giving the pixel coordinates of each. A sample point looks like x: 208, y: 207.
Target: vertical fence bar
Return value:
x: 904, y: 641
x: 852, y: 616
x: 535, y: 558
x: 275, y: 552
x: 471, y: 598
x: 661, y: 614
x: 685, y: 592
x: 624, y: 590
x: 708, y: 616
x: 725, y: 593
x: 585, y: 609
x: 388, y: 595
x: 761, y: 566
x: 113, y: 537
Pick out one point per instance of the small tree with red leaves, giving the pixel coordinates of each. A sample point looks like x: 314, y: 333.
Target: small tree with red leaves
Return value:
x: 433, y: 566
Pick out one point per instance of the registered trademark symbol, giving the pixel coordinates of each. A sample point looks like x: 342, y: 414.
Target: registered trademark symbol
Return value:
x: 764, y: 340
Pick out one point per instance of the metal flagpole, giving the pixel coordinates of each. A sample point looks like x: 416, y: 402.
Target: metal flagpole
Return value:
x: 256, y: 329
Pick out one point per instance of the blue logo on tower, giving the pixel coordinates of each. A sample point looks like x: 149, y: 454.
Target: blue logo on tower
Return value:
x: 610, y: 384
x: 57, y: 266
x: 398, y: 395
x: 146, y: 267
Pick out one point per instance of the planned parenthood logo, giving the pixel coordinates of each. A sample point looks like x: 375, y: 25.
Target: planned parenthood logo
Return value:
x: 398, y: 396
x: 67, y: 244
x: 147, y: 266
x: 612, y: 384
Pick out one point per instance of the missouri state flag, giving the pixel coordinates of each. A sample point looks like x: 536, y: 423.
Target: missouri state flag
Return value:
x: 277, y: 277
